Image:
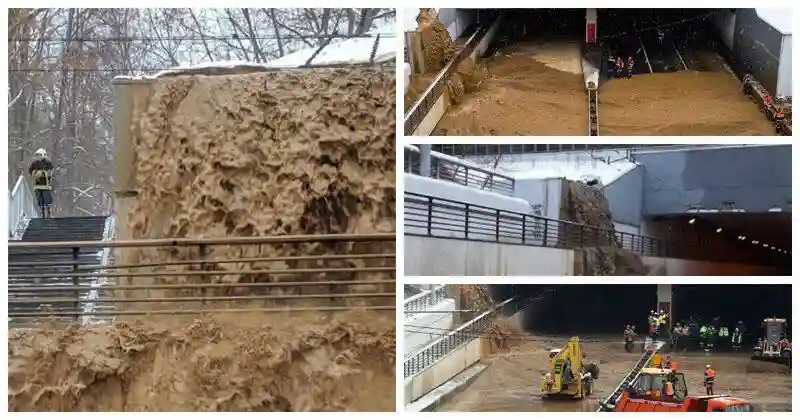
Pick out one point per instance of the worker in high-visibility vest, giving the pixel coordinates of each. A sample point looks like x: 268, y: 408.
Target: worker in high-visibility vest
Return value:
x: 709, y: 376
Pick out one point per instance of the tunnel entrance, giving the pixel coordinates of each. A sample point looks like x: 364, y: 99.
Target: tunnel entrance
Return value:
x: 658, y: 40
x: 606, y: 309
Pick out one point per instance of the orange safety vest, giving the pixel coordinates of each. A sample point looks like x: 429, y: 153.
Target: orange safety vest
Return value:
x: 710, y: 375
x: 767, y: 100
x: 779, y: 116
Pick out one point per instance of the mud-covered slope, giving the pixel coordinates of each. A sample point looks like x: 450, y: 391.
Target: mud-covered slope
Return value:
x: 219, y: 363
x: 602, y: 255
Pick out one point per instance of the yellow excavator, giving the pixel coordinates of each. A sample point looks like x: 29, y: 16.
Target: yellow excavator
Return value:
x: 569, y: 376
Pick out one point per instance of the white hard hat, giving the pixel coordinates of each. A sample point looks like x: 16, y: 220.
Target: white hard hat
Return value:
x: 41, y: 152
x: 708, y: 366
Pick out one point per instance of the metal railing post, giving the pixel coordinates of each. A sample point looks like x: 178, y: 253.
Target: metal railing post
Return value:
x: 76, y: 252
x: 203, y: 253
x: 466, y: 221
x: 497, y: 226
x: 524, y: 227
x: 430, y: 216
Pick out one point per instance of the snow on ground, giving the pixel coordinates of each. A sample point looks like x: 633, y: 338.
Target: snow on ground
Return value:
x: 574, y: 166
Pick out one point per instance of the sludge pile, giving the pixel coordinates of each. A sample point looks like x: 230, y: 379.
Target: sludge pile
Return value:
x: 438, y: 49
x: 602, y: 256
x: 267, y: 153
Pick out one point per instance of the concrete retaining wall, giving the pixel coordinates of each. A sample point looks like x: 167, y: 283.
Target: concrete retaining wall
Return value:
x: 443, y: 370
x: 452, y: 257
x: 426, y: 256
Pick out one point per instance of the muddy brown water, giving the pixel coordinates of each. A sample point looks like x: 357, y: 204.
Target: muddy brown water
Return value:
x: 538, y: 89
x: 264, y: 153
x: 511, y: 382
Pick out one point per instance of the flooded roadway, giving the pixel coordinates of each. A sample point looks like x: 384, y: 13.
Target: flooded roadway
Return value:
x: 511, y: 383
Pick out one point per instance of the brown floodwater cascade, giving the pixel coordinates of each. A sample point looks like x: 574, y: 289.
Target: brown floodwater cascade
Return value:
x: 240, y: 153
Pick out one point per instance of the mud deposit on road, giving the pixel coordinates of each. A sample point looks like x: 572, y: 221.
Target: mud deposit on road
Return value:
x: 682, y: 103
x: 265, y: 153
x: 511, y: 383
x: 532, y: 89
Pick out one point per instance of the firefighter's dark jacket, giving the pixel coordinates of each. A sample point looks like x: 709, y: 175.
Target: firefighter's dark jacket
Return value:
x: 42, y: 171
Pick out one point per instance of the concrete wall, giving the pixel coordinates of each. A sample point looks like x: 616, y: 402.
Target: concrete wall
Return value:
x: 422, y: 329
x: 676, y: 267
x: 543, y: 195
x: 625, y: 197
x: 756, y: 48
x: 785, y: 68
x: 725, y: 24
x: 754, y: 178
x: 452, y: 257
x: 456, y: 20
x: 443, y: 370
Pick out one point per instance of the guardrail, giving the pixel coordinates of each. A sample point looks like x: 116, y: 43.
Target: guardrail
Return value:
x: 420, y: 109
x: 437, y: 217
x: 448, y: 168
x: 190, y: 276
x: 21, y: 207
x: 423, y: 301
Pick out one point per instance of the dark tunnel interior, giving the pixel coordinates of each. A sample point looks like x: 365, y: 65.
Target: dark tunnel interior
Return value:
x: 605, y: 309
x: 620, y: 33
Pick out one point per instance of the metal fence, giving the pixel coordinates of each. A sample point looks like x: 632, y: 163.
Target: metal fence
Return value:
x: 193, y: 276
x: 450, y: 169
x: 430, y: 216
x: 430, y: 354
x: 423, y: 301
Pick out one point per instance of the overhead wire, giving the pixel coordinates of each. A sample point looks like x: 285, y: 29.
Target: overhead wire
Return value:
x: 196, y: 38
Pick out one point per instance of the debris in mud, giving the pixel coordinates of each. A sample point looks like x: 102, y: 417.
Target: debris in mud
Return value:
x: 602, y: 254
x: 437, y: 45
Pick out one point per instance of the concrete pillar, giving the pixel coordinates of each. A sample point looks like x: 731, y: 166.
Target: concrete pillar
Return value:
x: 425, y: 160
x: 591, y: 26
x: 664, y: 295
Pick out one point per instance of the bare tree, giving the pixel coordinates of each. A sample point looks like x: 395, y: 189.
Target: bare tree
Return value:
x: 62, y: 61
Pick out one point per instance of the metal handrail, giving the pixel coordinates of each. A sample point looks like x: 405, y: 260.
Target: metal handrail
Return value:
x: 21, y: 207
x: 426, y: 215
x: 420, y: 108
x: 423, y: 301
x: 438, y: 217
x: 448, y: 168
x: 64, y: 280
x: 431, y: 353
x: 248, y: 240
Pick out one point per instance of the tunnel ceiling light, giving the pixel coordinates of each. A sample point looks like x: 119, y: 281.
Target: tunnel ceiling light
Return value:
x: 765, y: 245
x: 755, y: 242
x: 775, y: 209
x: 772, y: 248
x: 692, y: 220
x: 719, y: 230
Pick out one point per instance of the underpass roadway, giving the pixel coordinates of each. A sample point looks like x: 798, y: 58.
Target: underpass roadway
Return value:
x: 510, y: 381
